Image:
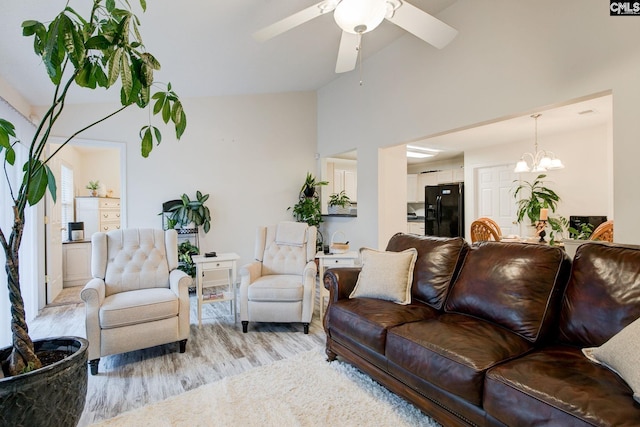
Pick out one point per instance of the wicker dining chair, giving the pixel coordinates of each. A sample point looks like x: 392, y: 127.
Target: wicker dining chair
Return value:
x: 604, y: 232
x: 492, y: 224
x: 481, y: 231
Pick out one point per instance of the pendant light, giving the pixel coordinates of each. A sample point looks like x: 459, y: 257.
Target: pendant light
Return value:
x: 541, y: 160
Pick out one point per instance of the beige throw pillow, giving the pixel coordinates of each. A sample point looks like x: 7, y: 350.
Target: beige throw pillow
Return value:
x: 621, y: 354
x: 386, y: 275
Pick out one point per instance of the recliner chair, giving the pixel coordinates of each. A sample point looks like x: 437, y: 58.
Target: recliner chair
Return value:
x: 137, y: 297
x: 280, y: 285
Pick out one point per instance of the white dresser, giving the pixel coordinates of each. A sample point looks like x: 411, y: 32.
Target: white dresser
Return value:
x: 98, y: 214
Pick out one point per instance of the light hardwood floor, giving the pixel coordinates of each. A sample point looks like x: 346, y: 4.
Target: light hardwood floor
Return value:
x: 215, y: 350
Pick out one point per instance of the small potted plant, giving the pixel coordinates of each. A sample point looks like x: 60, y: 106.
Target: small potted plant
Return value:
x: 310, y: 186
x: 339, y: 203
x: 577, y: 236
x: 93, y: 186
x: 185, y: 250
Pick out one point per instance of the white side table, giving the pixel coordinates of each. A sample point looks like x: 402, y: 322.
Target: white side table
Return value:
x: 228, y: 262
x: 347, y: 259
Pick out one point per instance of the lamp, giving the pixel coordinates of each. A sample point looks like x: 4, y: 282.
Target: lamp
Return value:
x: 360, y: 16
x: 541, y: 161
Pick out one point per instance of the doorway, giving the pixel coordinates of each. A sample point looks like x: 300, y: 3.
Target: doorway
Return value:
x: 91, y: 161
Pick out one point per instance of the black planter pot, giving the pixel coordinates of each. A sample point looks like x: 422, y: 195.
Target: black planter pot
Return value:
x: 50, y: 396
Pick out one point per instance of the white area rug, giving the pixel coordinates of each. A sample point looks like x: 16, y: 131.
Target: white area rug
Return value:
x: 305, y: 390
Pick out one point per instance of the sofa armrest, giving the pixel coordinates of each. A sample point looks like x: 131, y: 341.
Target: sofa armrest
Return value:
x: 93, y: 295
x: 249, y: 273
x: 340, y: 282
x: 309, y: 290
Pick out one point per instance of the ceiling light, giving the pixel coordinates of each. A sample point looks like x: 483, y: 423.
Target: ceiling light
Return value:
x: 541, y: 160
x: 360, y: 16
x: 428, y: 150
x: 418, y: 155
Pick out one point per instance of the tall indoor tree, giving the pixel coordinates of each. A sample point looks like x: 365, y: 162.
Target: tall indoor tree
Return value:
x: 98, y: 50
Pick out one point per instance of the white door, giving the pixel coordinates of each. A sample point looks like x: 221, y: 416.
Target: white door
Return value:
x: 494, y: 192
x: 53, y: 238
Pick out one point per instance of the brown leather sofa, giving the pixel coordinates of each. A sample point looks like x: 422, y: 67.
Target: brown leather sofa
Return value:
x: 494, y: 332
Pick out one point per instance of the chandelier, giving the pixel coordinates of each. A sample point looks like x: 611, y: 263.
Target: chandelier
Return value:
x: 541, y: 160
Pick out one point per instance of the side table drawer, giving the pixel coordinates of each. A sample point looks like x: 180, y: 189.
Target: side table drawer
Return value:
x: 340, y: 262
x: 217, y: 264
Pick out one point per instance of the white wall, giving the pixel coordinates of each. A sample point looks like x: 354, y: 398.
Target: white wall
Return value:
x: 91, y: 164
x: 510, y: 57
x: 101, y: 164
x: 250, y: 153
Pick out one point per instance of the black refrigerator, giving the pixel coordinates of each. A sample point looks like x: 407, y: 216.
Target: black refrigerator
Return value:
x: 444, y: 210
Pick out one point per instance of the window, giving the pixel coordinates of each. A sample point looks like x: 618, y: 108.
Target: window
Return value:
x: 66, y: 199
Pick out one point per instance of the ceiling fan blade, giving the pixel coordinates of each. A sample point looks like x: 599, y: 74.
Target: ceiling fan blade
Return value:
x: 422, y: 25
x: 348, y: 52
x: 291, y: 22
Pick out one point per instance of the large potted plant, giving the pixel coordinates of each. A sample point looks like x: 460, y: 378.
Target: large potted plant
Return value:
x: 533, y: 196
x: 97, y: 50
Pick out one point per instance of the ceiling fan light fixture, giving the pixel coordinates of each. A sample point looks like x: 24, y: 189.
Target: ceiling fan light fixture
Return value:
x: 360, y: 16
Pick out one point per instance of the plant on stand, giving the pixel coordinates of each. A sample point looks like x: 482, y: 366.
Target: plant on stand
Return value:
x: 98, y: 50
x: 308, y: 208
x: 186, y: 213
x: 531, y: 198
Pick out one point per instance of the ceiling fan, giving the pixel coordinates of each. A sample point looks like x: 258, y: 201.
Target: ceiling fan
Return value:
x: 356, y: 17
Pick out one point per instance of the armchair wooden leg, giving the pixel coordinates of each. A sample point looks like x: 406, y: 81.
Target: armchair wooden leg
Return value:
x: 306, y: 328
x: 93, y: 365
x: 245, y: 324
x: 183, y: 346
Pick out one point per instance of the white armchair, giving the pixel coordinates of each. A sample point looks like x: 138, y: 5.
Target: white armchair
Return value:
x: 137, y: 297
x: 280, y: 285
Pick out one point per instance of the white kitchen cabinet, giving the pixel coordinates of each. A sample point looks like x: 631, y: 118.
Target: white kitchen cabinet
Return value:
x: 445, y: 176
x: 98, y: 214
x: 345, y: 180
x: 458, y: 175
x: 412, y: 188
x: 76, y: 263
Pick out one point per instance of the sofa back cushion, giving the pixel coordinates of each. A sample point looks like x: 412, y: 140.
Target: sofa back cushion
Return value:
x: 516, y: 285
x: 603, y: 294
x: 438, y: 261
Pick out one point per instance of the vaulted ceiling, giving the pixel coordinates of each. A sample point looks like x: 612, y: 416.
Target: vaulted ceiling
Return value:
x: 205, y: 47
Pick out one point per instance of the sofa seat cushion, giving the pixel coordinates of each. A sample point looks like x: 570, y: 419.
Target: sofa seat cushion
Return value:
x: 558, y: 386
x: 141, y: 306
x: 279, y: 287
x: 366, y: 320
x: 453, y: 352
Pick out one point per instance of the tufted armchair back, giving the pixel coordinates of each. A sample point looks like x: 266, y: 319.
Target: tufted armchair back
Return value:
x: 133, y: 259
x: 285, y: 248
